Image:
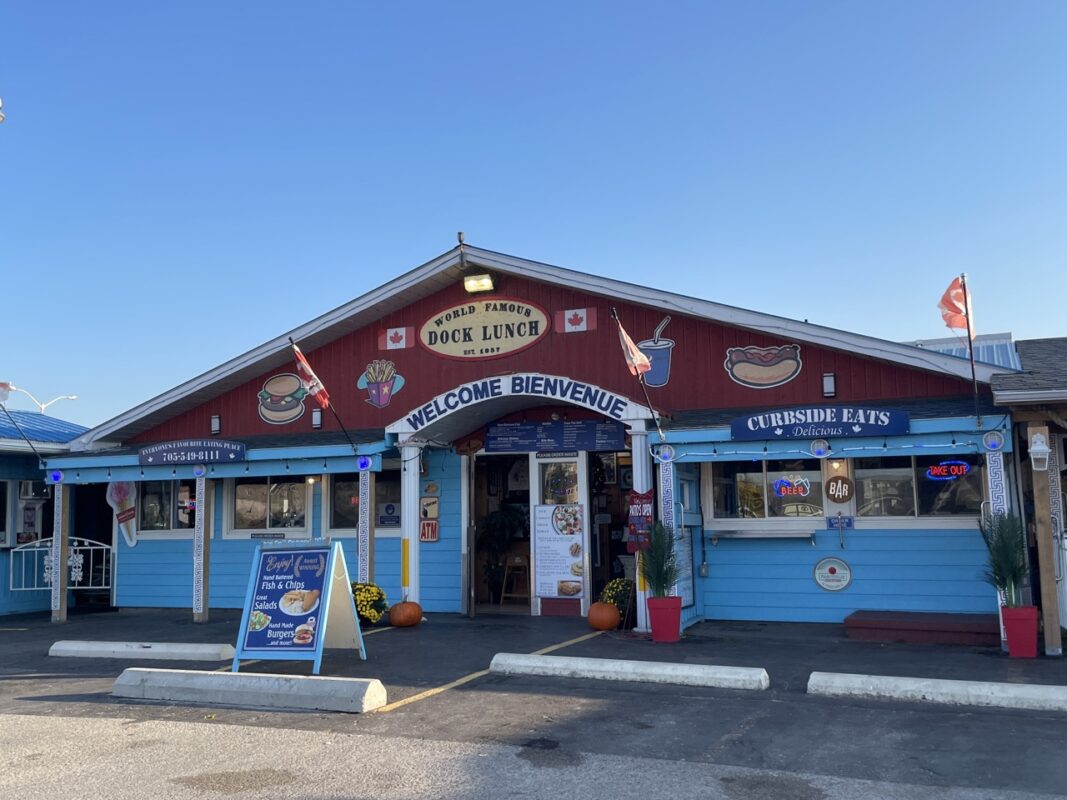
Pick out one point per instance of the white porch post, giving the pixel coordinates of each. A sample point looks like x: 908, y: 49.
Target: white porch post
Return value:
x: 202, y: 549
x: 409, y: 516
x: 60, y: 546
x: 642, y: 483
x: 998, y: 504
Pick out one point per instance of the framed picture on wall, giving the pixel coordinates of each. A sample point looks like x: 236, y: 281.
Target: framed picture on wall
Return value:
x: 610, y: 472
x: 626, y: 478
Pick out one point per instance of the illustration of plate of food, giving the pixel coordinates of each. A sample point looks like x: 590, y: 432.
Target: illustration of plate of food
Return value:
x: 257, y: 621
x: 569, y: 588
x: 576, y: 568
x: 304, y: 634
x: 575, y: 549
x: 298, y: 602
x: 567, y: 520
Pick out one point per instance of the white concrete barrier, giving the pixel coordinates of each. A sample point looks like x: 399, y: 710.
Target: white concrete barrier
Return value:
x: 159, y: 651
x: 290, y: 692
x: 640, y: 671
x: 937, y: 690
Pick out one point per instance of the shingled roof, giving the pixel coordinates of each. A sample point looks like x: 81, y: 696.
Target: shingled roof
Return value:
x: 1044, y: 375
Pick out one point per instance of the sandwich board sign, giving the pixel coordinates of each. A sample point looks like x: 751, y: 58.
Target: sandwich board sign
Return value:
x: 299, y: 602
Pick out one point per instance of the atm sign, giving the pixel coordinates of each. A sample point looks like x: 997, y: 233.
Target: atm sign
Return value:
x: 948, y: 470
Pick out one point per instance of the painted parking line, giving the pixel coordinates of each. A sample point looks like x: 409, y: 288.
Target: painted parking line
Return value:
x: 475, y: 675
x: 377, y: 630
x: 13, y: 629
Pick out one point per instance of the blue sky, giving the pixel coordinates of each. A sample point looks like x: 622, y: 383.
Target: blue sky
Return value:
x: 181, y: 182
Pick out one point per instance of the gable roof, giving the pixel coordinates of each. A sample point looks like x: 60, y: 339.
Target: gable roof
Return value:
x: 449, y: 268
x: 1044, y: 375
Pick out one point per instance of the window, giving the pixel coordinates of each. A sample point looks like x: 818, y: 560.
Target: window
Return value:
x: 949, y: 485
x: 387, y: 499
x: 269, y: 504
x: 885, y: 487
x: 794, y: 488
x: 738, y: 490
x: 344, y: 500
x: 166, y: 505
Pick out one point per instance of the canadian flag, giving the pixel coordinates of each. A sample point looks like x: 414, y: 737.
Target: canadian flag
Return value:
x: 576, y: 320
x: 396, y: 338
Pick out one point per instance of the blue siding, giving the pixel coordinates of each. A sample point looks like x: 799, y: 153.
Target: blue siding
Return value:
x: 439, y: 562
x: 386, y: 572
x: 19, y: 602
x: 898, y: 570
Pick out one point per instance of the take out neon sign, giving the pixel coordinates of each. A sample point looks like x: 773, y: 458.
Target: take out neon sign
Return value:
x: 948, y: 470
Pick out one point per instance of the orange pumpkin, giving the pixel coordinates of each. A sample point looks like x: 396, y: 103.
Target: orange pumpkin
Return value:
x: 604, y: 616
x: 405, y: 614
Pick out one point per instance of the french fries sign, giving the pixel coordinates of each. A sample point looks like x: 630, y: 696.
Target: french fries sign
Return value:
x: 381, y: 381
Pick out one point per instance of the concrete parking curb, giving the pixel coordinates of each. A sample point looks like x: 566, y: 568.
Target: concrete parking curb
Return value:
x: 288, y: 692
x: 158, y: 651
x: 640, y: 671
x: 1029, y: 696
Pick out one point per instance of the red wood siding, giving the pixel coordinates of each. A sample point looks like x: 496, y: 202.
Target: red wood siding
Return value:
x: 697, y: 378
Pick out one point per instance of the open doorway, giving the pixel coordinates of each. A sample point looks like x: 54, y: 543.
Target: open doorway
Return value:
x: 501, y: 573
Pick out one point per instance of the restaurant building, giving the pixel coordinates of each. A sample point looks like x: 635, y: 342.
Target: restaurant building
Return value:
x: 484, y: 440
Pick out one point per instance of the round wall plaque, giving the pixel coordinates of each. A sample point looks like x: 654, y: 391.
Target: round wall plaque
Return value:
x: 833, y: 574
x: 839, y: 489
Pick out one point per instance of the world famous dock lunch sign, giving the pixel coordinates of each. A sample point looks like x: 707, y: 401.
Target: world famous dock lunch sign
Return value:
x: 482, y: 329
x: 821, y: 422
x: 299, y: 601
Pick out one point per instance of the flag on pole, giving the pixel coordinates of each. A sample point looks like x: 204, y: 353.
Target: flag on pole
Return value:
x: 636, y: 360
x: 314, y: 386
x: 955, y: 307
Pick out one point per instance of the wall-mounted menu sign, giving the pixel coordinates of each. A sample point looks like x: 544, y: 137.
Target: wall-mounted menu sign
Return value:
x: 191, y: 451
x: 559, y: 542
x: 819, y: 421
x: 525, y: 437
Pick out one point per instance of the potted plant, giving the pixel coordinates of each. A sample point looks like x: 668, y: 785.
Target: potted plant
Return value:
x: 660, y: 571
x: 607, y: 612
x: 1005, y: 541
x: 498, y: 530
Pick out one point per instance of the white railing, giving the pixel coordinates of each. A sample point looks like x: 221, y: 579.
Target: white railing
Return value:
x: 89, y: 565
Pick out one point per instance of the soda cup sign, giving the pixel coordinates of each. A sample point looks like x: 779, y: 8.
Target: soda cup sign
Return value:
x: 840, y: 489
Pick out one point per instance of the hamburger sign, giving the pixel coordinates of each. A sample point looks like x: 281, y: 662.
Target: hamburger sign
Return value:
x: 483, y: 329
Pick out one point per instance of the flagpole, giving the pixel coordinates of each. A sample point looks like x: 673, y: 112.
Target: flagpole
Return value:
x: 344, y: 430
x: 970, y: 345
x: 644, y: 388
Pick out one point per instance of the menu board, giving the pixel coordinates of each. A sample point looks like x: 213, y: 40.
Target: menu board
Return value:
x: 299, y: 602
x: 539, y: 437
x: 683, y: 557
x: 559, y: 556
x: 286, y: 595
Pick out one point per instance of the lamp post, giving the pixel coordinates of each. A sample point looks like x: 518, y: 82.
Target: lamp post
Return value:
x: 6, y: 388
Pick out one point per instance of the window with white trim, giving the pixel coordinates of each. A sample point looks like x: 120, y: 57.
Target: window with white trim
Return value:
x: 344, y: 501
x: 5, y: 540
x: 268, y: 507
x: 166, y: 506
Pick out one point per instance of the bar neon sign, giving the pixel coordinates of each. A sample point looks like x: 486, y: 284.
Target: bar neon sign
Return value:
x: 948, y: 470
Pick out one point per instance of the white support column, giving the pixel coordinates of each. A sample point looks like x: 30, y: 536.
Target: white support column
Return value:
x: 60, y: 546
x: 642, y: 483
x: 409, y: 515
x: 202, y: 549
x: 363, y: 532
x: 997, y: 497
x: 1055, y: 499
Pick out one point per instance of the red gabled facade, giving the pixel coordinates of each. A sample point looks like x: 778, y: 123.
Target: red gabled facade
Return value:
x: 698, y: 379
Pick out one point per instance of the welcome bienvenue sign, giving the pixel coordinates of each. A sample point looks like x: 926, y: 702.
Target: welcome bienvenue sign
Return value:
x: 820, y: 421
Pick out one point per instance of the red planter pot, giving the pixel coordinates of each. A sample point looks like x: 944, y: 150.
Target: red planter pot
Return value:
x: 1020, y: 626
x: 665, y: 618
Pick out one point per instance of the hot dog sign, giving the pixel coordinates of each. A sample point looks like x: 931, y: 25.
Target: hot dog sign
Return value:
x: 763, y: 367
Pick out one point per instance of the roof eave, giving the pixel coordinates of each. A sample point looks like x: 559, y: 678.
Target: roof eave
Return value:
x: 1022, y: 397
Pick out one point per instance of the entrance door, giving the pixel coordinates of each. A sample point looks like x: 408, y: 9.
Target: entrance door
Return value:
x: 559, y: 492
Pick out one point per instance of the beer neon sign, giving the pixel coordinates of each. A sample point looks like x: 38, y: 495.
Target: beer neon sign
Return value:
x: 792, y: 486
x: 948, y: 470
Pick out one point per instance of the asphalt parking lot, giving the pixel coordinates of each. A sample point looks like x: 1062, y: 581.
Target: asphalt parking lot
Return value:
x: 437, y: 689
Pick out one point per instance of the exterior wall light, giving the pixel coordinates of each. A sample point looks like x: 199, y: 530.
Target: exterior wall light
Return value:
x: 829, y: 384
x: 1039, y: 452
x: 316, y: 418
x: 216, y: 424
x: 478, y: 283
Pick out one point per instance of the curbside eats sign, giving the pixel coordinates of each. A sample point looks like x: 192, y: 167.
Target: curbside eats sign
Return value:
x: 803, y: 423
x: 488, y: 328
